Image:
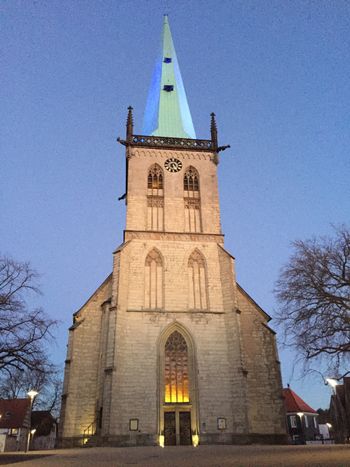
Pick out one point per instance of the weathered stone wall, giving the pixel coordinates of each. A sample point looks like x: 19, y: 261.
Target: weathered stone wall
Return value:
x: 174, y: 215
x: 135, y: 384
x: 264, y: 387
x: 82, y: 365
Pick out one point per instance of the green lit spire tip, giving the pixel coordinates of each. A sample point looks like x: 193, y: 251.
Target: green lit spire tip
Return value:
x: 167, y: 111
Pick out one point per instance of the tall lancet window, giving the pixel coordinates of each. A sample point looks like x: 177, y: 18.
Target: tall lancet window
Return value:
x: 155, y: 198
x: 197, y: 276
x: 192, y: 201
x: 154, y: 281
x: 176, y: 369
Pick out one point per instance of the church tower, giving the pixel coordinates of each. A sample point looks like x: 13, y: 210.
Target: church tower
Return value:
x: 170, y: 350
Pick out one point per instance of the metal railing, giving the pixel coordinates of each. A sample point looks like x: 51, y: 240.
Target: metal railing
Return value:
x: 89, y: 432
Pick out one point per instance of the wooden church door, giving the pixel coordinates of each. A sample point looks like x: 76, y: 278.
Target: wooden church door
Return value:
x: 177, y: 428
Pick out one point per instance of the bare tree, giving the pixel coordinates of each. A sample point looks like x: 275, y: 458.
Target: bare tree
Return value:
x: 313, y: 291
x: 23, y: 331
x: 48, y: 383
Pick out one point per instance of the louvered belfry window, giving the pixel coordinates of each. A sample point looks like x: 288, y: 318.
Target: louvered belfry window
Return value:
x: 192, y: 201
x: 155, y: 198
x: 176, y: 369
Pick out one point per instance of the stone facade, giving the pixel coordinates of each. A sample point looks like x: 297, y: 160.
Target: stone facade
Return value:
x: 164, y: 281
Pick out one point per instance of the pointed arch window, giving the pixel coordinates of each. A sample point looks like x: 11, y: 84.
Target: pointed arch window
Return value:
x: 176, y: 373
x: 193, y: 221
x: 198, y: 284
x: 154, y: 281
x: 155, y: 198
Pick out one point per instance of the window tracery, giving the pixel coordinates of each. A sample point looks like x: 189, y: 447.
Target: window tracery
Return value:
x: 192, y: 201
x: 191, y: 180
x: 155, y: 198
x: 176, y: 372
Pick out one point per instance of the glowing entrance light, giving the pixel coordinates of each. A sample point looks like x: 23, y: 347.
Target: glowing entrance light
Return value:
x: 176, y: 369
x: 161, y: 441
x: 195, y: 440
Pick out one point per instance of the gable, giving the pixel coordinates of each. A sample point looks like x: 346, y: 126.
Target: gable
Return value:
x: 244, y: 296
x: 102, y: 294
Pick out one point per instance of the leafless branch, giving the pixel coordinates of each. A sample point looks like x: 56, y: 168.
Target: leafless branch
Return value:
x: 313, y: 291
x: 23, y: 331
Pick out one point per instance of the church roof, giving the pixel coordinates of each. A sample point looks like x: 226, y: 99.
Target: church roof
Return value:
x: 294, y: 403
x: 263, y: 312
x: 167, y: 112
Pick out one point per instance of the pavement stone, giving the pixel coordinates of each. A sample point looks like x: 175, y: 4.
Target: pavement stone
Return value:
x: 186, y: 456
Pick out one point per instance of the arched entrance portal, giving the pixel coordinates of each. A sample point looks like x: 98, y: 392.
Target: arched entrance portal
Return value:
x: 178, y: 414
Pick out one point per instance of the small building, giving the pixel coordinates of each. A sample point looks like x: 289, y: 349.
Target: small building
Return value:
x: 325, y: 433
x: 339, y: 412
x: 302, y: 422
x: 14, y: 424
x: 45, y: 427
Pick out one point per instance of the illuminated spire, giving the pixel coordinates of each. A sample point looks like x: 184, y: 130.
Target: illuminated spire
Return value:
x: 167, y: 112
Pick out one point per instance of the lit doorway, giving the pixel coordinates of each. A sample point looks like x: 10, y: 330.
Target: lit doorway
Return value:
x: 177, y: 427
x: 178, y: 414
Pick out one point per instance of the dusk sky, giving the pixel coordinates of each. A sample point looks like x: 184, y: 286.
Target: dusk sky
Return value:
x: 276, y: 73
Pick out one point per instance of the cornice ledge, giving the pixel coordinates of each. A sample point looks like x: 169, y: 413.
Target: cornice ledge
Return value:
x: 162, y: 312
x: 181, y: 236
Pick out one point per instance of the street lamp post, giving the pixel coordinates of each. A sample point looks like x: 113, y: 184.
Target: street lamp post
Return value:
x: 31, y: 395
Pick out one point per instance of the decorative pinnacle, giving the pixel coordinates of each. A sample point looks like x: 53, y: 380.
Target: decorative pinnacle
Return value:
x: 129, y: 123
x: 213, y: 130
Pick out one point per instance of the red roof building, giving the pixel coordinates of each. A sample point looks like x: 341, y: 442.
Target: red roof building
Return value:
x: 14, y: 413
x: 14, y: 424
x: 294, y: 403
x: 301, y: 419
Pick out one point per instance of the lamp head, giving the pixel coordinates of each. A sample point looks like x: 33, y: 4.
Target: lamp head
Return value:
x: 32, y: 393
x: 332, y: 382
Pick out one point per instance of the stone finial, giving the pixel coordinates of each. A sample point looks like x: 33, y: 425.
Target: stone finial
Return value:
x: 129, y: 124
x: 213, y: 131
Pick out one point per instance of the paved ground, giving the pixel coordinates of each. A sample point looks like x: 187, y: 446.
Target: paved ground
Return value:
x: 206, y: 456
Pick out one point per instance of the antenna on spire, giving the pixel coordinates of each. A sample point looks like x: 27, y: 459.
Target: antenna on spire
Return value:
x: 129, y: 124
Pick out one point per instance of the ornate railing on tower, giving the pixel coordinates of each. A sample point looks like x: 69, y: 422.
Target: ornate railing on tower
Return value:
x: 170, y: 142
x: 164, y: 141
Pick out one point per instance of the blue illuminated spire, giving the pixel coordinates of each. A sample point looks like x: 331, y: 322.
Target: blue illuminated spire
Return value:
x: 167, y: 112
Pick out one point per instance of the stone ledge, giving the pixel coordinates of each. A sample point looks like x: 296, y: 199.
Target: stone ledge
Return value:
x: 191, y: 312
x: 173, y: 236
x: 148, y: 439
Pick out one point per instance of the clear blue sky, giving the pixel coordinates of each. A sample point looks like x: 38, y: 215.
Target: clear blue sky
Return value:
x: 277, y: 75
